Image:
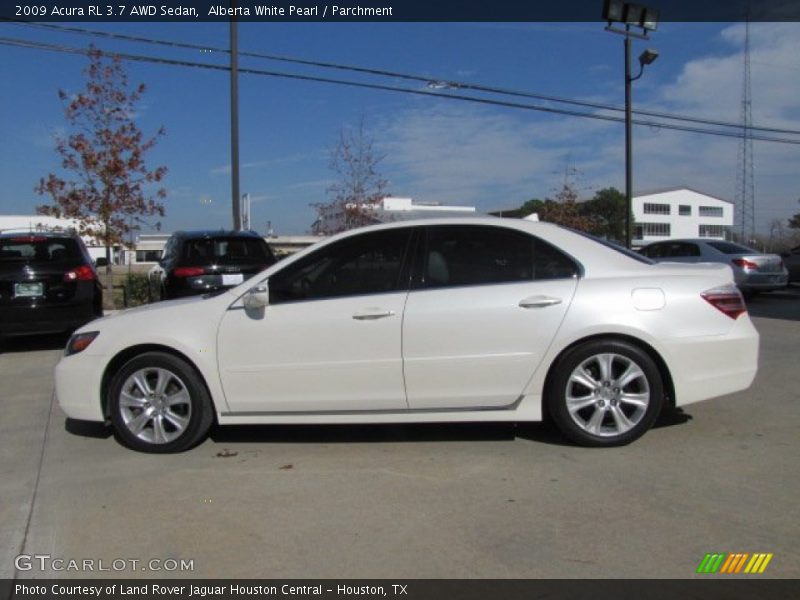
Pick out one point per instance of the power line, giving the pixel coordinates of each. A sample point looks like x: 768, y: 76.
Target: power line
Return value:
x: 373, y: 86
x: 444, y: 83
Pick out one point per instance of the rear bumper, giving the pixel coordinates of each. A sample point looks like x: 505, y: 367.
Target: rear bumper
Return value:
x: 711, y: 366
x: 28, y: 320
x: 758, y: 282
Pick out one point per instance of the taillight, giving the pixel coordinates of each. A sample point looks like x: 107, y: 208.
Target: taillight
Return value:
x: 744, y: 263
x: 188, y: 271
x: 726, y: 299
x: 82, y: 273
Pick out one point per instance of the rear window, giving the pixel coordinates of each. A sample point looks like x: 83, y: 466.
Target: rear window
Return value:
x: 39, y: 248
x: 249, y: 250
x: 731, y: 248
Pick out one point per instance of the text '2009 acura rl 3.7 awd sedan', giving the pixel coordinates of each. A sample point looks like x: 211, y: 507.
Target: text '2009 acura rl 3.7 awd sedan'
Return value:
x: 447, y: 320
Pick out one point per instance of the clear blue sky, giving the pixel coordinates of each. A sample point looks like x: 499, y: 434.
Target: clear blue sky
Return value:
x: 436, y: 150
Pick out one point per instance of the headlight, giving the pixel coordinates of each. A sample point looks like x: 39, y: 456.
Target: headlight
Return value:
x: 79, y: 342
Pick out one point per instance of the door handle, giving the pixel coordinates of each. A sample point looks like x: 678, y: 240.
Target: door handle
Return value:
x: 539, y: 301
x: 371, y: 314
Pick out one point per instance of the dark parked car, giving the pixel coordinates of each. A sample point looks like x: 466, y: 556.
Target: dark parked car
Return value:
x: 48, y: 283
x: 198, y: 262
x: 753, y: 271
x: 792, y: 261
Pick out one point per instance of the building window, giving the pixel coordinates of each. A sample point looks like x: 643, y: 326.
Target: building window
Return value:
x: 148, y: 255
x: 685, y: 210
x: 655, y: 229
x: 656, y: 209
x: 710, y: 211
x: 712, y: 231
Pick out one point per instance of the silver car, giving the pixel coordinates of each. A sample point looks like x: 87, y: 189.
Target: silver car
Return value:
x: 753, y: 271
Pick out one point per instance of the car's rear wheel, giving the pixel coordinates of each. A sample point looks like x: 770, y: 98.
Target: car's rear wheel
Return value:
x: 158, y: 403
x: 605, y: 393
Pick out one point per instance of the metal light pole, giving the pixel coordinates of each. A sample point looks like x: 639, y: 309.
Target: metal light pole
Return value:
x: 646, y: 19
x: 628, y: 143
x: 647, y: 57
x: 237, y: 219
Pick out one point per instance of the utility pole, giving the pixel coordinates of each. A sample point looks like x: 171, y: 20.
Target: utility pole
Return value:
x: 745, y: 184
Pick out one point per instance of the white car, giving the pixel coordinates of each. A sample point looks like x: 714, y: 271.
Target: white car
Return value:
x: 468, y: 319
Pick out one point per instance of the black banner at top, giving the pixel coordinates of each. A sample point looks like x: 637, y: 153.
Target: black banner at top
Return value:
x: 386, y: 10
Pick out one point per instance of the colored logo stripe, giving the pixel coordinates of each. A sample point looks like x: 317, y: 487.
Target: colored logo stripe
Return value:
x: 758, y: 563
x: 734, y: 562
x: 710, y: 563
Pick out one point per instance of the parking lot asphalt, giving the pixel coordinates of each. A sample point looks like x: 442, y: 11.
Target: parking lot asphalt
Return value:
x: 432, y: 501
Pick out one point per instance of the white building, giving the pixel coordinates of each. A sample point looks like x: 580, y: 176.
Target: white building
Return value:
x: 680, y: 213
x: 335, y: 217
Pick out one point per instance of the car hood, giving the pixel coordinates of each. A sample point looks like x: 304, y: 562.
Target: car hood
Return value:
x: 156, y: 307
x: 188, y: 325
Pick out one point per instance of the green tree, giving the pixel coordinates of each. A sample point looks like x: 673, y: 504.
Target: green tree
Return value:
x: 607, y: 211
x: 534, y: 205
x: 794, y: 222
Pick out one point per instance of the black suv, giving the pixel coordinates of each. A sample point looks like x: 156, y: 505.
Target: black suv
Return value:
x: 198, y: 262
x: 48, y: 283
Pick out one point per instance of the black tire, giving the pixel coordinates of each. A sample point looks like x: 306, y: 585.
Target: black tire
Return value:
x: 614, y: 412
x: 177, y: 421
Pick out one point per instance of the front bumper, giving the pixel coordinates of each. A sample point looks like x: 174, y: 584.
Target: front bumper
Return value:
x: 78, y: 381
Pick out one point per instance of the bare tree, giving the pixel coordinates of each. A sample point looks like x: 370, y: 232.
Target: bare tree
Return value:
x: 109, y: 193
x: 564, y: 210
x: 359, y: 185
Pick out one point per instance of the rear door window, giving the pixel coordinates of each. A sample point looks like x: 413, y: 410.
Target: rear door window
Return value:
x: 461, y: 255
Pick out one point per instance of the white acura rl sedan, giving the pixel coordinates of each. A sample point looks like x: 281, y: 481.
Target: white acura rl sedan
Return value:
x: 468, y: 319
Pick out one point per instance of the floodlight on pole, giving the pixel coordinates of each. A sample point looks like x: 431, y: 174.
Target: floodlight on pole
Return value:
x: 647, y: 57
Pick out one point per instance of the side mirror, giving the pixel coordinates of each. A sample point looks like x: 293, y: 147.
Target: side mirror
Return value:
x: 257, y: 297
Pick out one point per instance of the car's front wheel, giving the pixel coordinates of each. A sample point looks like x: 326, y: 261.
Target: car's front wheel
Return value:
x: 159, y: 403
x: 605, y: 393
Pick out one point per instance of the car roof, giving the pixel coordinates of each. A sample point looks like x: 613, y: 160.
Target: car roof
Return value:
x: 684, y: 240
x: 28, y: 233
x: 212, y: 233
x: 592, y: 254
